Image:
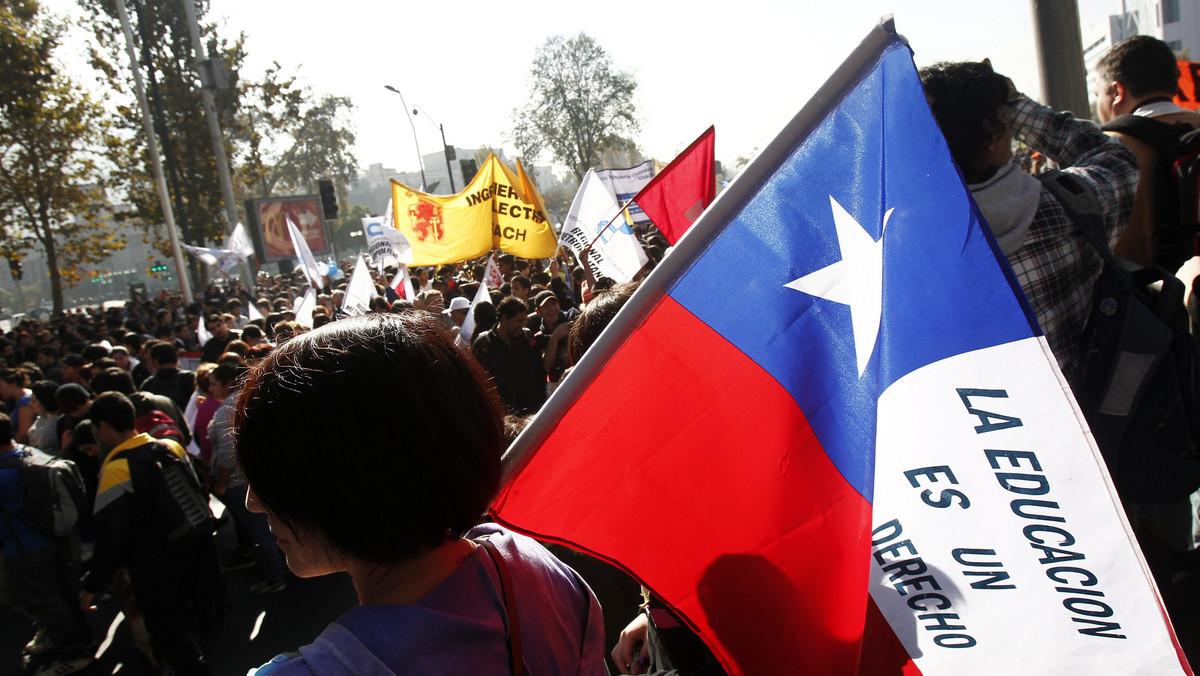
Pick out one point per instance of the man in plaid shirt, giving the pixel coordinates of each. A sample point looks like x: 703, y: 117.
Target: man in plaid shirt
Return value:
x: 980, y: 113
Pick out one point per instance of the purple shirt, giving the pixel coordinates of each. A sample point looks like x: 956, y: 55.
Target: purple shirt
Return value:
x: 459, y: 627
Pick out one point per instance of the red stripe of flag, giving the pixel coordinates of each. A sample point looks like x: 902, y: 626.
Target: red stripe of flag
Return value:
x: 753, y: 536
x: 675, y: 197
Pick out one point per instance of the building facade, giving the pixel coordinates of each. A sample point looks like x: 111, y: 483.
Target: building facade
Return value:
x: 1176, y: 22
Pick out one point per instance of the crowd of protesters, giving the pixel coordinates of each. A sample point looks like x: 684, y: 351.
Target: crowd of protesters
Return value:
x: 75, y: 385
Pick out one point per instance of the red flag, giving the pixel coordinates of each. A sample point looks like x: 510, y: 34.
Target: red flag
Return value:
x: 402, y: 284
x: 675, y: 197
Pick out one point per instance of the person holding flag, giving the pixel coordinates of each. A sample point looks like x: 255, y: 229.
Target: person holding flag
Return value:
x: 980, y: 112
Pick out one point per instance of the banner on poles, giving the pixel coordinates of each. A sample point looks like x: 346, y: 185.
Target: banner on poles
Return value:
x: 491, y: 212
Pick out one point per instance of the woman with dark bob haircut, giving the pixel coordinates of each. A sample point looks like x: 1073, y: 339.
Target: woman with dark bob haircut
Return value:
x: 373, y: 445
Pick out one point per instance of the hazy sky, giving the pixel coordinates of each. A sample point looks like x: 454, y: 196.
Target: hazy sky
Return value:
x: 746, y: 66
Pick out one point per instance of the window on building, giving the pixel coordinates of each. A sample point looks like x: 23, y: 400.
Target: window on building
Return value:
x: 1170, y: 10
x: 1176, y: 46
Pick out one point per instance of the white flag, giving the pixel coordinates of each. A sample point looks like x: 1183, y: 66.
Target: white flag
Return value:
x: 468, y: 327
x: 203, y: 254
x: 492, y: 276
x: 625, y: 183
x: 402, y: 284
x: 312, y: 269
x: 202, y: 331
x: 305, y: 309
x: 359, y: 291
x: 239, y: 242
x: 617, y: 253
x: 385, y: 244
x: 224, y: 260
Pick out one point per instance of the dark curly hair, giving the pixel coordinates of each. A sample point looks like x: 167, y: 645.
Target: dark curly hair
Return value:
x: 1144, y: 65
x: 969, y: 101
x: 374, y: 435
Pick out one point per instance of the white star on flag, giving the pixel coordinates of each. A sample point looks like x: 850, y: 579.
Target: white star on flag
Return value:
x: 856, y: 280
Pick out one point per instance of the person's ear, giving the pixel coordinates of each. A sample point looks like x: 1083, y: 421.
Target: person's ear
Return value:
x: 1119, y: 93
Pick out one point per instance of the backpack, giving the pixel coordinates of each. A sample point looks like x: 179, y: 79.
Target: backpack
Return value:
x: 158, y: 425
x: 1177, y: 194
x: 55, y: 497
x: 1139, y: 378
x: 174, y: 502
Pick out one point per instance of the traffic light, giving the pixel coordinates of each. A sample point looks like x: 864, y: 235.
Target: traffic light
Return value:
x: 156, y: 269
x: 469, y: 169
x: 14, y: 266
x: 328, y: 199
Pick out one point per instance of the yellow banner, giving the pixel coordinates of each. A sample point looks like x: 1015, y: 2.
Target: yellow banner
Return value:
x: 498, y: 209
x: 540, y: 240
x: 443, y: 229
x: 519, y: 224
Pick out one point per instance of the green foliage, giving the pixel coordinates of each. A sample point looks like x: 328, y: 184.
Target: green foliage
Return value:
x: 578, y: 107
x: 174, y: 92
x: 289, y: 138
x: 52, y: 193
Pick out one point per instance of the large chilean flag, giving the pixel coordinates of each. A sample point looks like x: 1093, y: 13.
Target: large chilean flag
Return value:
x: 725, y: 439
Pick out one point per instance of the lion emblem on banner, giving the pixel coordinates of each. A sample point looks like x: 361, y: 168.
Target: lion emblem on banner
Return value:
x: 426, y: 220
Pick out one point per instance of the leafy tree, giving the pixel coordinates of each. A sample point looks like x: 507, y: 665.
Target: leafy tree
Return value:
x: 167, y: 57
x: 578, y: 107
x: 289, y: 139
x: 51, y: 131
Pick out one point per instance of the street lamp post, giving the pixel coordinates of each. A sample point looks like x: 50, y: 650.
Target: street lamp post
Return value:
x: 420, y: 161
x: 446, y: 149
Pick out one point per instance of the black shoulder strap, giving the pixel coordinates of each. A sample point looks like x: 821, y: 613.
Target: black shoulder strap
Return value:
x: 510, y: 604
x: 1082, y: 207
x: 1157, y: 133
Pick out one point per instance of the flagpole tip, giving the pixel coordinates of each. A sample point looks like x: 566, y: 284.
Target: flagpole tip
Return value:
x: 887, y: 23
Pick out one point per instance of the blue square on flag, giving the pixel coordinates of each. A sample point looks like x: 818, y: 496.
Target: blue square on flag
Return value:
x: 933, y: 294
